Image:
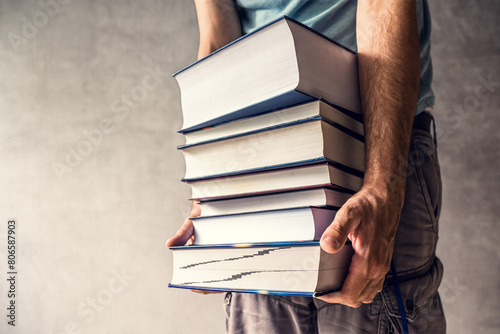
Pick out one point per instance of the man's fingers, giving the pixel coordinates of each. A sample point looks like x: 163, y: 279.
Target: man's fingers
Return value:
x: 195, y: 209
x: 184, y: 233
x: 376, y: 288
x: 205, y: 292
x: 358, y: 286
x: 346, y: 219
x: 353, y: 285
x: 371, y: 289
x: 339, y: 297
x: 350, y: 298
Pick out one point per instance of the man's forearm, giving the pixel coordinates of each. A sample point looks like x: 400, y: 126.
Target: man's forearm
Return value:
x: 219, y: 24
x: 389, y: 71
x: 388, y: 61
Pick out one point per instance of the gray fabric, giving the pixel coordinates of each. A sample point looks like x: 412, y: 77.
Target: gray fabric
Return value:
x: 336, y: 19
x: 419, y: 273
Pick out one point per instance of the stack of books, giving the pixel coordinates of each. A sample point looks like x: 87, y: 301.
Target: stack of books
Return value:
x: 274, y: 146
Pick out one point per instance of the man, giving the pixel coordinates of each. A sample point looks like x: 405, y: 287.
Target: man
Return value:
x: 394, y: 215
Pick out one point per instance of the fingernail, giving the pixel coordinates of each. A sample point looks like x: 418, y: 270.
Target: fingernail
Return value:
x: 331, y: 242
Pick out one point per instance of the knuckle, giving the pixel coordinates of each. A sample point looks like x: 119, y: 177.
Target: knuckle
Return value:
x: 365, y: 202
x: 352, y: 302
x: 385, y: 269
x: 351, y: 209
x: 356, y: 305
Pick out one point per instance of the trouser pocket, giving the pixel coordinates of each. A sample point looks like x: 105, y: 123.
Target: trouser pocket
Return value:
x: 424, y: 311
x: 417, y: 235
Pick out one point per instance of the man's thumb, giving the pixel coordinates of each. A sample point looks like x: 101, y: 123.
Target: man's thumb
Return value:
x: 335, y: 236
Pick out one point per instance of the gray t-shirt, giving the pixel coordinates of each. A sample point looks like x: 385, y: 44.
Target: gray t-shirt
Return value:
x: 336, y: 19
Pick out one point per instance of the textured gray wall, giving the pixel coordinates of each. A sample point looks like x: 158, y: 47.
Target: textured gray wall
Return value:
x: 466, y: 54
x: 90, y: 171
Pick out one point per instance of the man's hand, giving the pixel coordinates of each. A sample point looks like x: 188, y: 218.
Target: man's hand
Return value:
x: 185, y: 236
x: 369, y: 219
x: 389, y: 72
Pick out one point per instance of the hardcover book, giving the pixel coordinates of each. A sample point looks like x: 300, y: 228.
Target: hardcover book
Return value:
x: 295, y: 224
x: 274, y: 201
x: 301, y: 268
x: 275, y: 118
x: 309, y: 140
x: 293, y: 64
x: 268, y: 181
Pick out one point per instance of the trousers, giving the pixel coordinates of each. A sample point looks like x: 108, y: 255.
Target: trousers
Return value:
x: 419, y: 272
